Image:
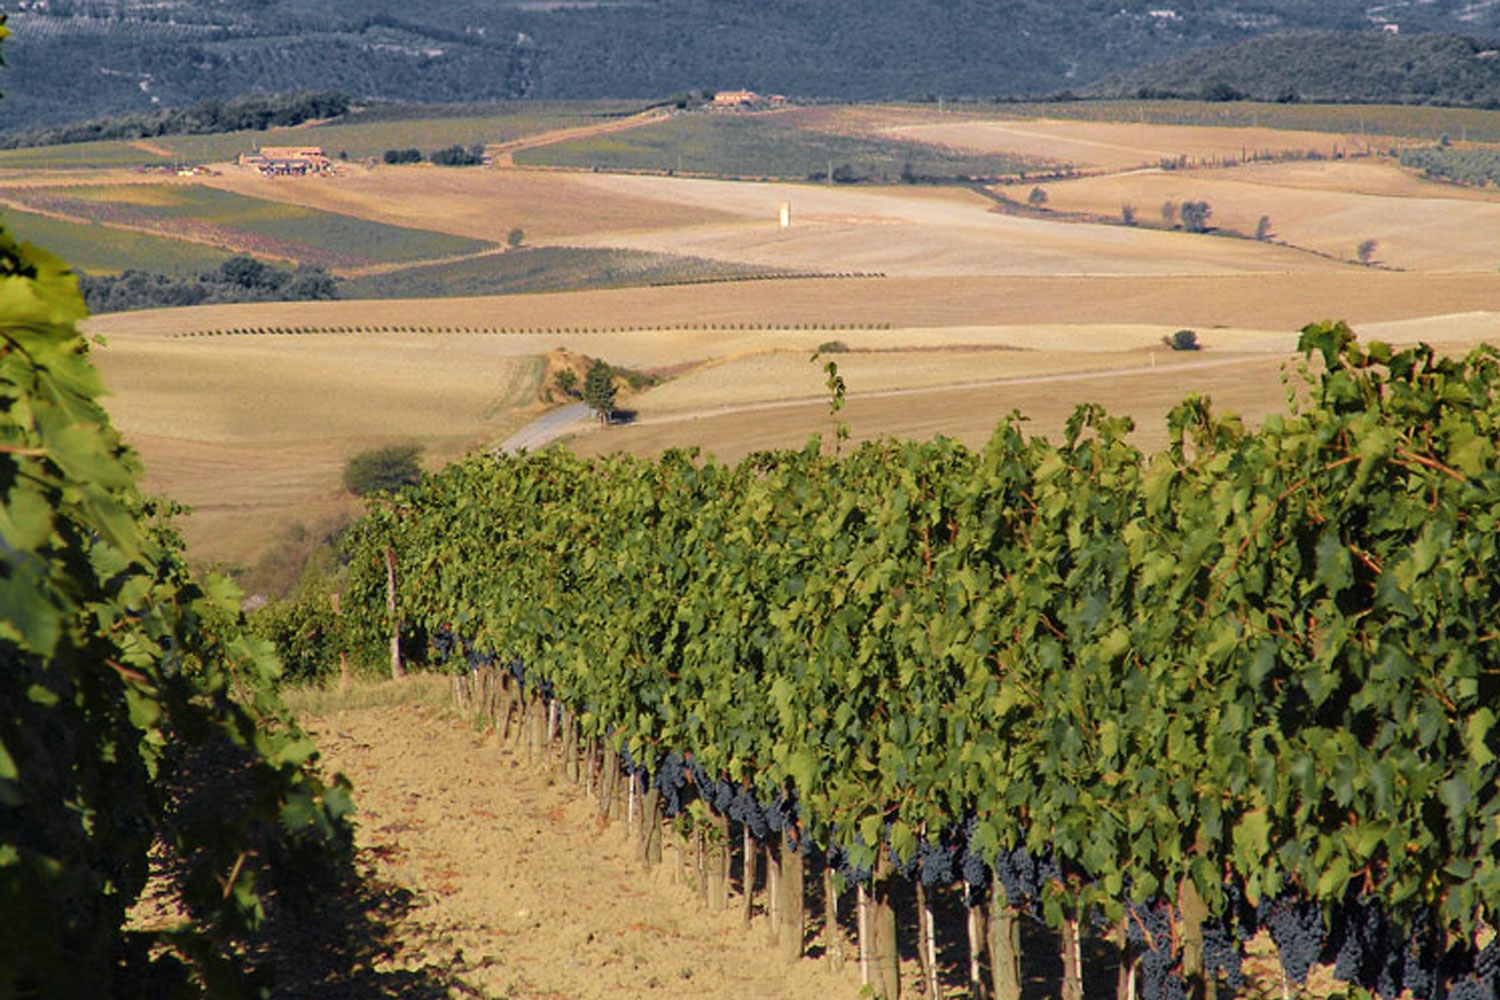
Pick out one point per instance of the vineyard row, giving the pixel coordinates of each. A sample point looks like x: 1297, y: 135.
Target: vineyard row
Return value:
x: 1247, y: 682
x: 376, y: 329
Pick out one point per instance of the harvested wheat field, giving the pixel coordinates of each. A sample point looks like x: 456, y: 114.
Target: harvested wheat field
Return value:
x: 835, y: 229
x: 483, y: 204
x: 1247, y: 385
x: 1276, y: 301
x: 1122, y: 145
x: 253, y: 431
x: 905, y: 359
x: 1327, y: 207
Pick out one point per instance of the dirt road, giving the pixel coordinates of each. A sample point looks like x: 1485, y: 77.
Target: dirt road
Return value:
x: 520, y: 893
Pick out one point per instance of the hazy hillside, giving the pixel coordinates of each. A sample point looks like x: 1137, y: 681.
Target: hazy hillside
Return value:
x: 1325, y: 66
x: 75, y: 59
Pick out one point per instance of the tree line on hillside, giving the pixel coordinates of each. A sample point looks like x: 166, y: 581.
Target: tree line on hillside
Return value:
x: 473, y: 50
x: 1472, y: 167
x: 238, y: 279
x: 1327, y: 67
x: 255, y: 112
x: 449, y: 156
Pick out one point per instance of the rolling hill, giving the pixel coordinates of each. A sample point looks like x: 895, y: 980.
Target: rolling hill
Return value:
x: 1328, y: 66
x: 77, y: 59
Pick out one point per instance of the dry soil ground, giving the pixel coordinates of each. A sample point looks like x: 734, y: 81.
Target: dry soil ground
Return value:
x: 519, y: 892
x: 508, y: 885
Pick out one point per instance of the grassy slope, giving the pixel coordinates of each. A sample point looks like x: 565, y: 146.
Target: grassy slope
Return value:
x: 370, y: 135
x: 544, y: 269
x: 251, y: 223
x: 764, y: 145
x: 102, y: 250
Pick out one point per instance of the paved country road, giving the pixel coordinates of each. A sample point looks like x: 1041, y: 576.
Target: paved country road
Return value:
x: 545, y: 429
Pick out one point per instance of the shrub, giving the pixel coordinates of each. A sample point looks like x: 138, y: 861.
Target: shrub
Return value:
x: 385, y: 468
x: 403, y: 156
x: 1183, y: 340
x: 1195, y: 216
x: 833, y: 347
x: 458, y: 156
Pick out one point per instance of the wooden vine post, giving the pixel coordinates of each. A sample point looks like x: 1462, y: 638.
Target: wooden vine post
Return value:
x: 338, y: 615
x: 880, y: 925
x: 1072, y: 958
x: 749, y: 857
x: 975, y: 925
x: 833, y: 938
x: 1004, y: 946
x: 398, y: 670
x: 773, y: 894
x: 926, y: 939
x: 793, y: 897
x: 1125, y: 978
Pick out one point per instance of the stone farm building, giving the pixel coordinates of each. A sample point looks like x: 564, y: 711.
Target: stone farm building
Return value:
x: 746, y: 99
x: 288, y: 161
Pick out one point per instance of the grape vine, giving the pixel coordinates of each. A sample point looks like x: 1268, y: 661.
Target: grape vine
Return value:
x: 119, y: 668
x: 1259, y: 660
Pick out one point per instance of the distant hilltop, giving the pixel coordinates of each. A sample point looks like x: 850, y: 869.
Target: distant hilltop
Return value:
x: 1386, y: 67
x: 73, y: 60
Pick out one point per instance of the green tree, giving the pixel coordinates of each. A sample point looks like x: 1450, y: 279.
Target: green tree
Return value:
x: 515, y: 237
x: 1037, y: 198
x: 1183, y: 340
x: 599, y: 390
x: 1127, y: 214
x: 388, y: 468
x: 1366, y: 251
x: 1169, y: 212
x: 1195, y: 216
x: 1263, y: 228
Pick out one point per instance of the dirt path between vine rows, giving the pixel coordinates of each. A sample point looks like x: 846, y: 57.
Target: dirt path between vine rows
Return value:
x: 518, y: 892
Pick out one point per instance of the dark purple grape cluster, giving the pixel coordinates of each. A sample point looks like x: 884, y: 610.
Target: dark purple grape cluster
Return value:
x: 1296, y: 927
x: 935, y: 863
x: 976, y: 874
x: 745, y: 809
x: 838, y: 859
x: 781, y: 817
x: 1148, y: 927
x: 1223, y: 955
x: 444, y: 645
x: 671, y: 782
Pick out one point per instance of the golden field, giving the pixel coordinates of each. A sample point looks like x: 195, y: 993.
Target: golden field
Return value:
x: 978, y: 313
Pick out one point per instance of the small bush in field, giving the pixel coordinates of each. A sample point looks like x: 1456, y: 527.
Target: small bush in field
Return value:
x: 385, y: 468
